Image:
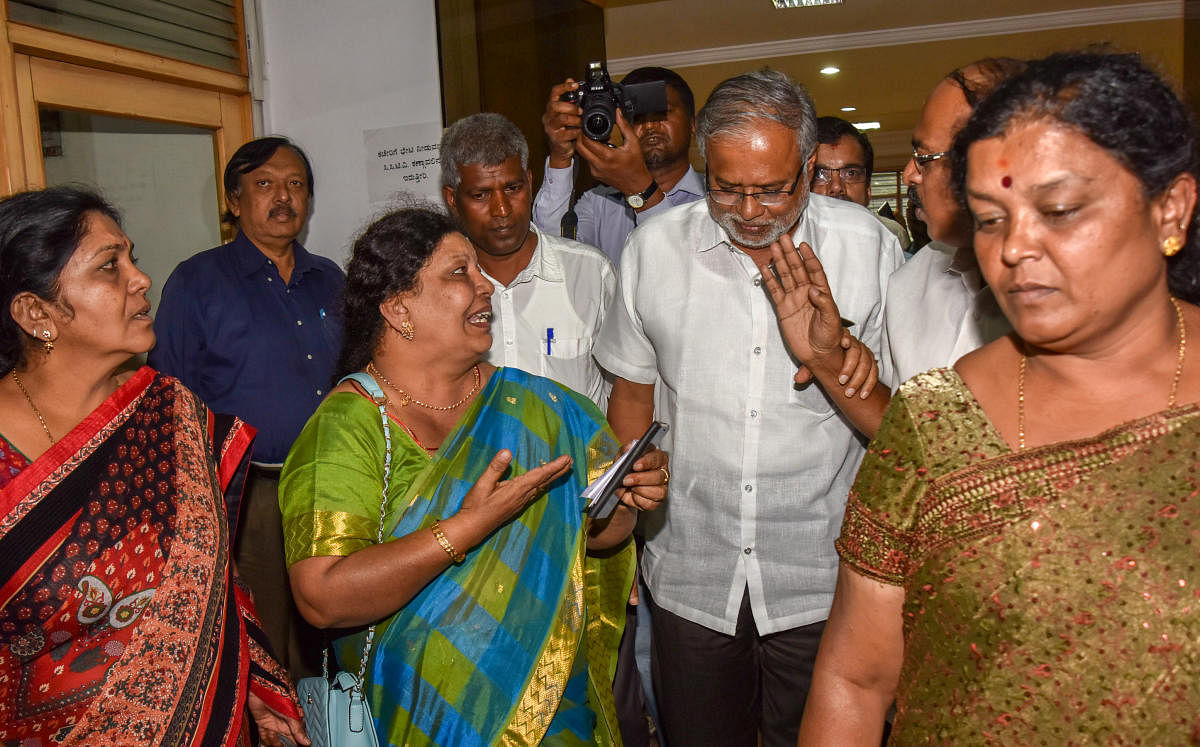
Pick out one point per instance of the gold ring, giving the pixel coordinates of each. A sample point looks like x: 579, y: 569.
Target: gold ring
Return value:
x: 666, y: 475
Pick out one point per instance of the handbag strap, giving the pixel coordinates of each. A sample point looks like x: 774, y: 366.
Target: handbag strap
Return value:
x: 367, y: 382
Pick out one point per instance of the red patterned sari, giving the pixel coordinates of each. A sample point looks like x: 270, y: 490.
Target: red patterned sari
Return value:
x: 121, y: 621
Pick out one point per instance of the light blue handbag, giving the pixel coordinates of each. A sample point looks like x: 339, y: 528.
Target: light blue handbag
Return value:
x: 335, y: 713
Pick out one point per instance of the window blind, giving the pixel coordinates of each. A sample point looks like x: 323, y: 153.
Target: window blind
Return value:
x: 199, y: 31
x: 886, y: 187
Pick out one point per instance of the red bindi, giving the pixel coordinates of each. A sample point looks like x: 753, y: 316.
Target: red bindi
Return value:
x: 1006, y: 182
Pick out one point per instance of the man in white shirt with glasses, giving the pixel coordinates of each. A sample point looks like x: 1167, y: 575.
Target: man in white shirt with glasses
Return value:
x: 741, y: 565
x: 938, y: 307
x: 845, y: 163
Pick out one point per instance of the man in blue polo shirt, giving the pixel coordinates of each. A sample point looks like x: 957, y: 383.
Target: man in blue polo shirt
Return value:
x: 253, y: 328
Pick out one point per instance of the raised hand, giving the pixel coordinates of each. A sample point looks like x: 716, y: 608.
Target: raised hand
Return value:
x: 561, y: 121
x: 622, y: 167
x: 808, y: 315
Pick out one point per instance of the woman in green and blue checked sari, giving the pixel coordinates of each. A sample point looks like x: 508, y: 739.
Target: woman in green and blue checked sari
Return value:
x: 498, y: 604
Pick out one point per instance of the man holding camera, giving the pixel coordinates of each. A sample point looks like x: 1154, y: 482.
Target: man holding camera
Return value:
x: 647, y: 173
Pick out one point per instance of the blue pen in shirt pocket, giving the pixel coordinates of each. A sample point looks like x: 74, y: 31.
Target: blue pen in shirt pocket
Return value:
x: 549, y: 340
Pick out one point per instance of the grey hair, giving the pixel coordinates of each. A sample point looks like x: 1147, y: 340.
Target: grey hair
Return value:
x: 769, y: 94
x: 487, y: 139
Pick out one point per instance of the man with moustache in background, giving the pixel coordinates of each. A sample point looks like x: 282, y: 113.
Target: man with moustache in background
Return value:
x: 253, y: 328
x: 938, y: 308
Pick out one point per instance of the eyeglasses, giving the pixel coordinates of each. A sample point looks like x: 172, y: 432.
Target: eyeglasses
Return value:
x: 924, y: 159
x: 848, y: 174
x: 729, y: 197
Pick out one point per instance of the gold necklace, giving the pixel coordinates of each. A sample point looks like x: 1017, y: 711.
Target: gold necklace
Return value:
x: 1170, y: 398
x: 406, y: 398
x: 32, y: 406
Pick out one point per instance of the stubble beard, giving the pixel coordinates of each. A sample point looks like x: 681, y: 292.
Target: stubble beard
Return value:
x: 662, y: 155
x: 779, y: 226
x: 656, y: 158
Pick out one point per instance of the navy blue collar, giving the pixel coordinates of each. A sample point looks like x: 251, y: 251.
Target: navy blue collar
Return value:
x: 250, y: 259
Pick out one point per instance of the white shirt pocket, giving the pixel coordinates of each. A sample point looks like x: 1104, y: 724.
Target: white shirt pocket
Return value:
x: 811, y: 398
x: 567, y: 347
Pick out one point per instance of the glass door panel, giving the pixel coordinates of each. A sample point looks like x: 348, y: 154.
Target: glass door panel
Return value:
x: 160, y: 175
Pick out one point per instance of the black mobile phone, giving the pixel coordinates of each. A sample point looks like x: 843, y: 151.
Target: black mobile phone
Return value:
x: 602, y: 493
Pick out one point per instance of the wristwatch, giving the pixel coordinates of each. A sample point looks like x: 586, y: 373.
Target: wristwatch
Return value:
x: 638, y: 199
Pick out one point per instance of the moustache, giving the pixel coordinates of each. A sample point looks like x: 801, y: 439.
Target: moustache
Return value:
x: 283, y: 210
x: 913, y: 199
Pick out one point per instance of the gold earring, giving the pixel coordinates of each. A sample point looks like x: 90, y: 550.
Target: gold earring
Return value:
x: 1171, y: 246
x: 48, y: 344
x: 406, y: 330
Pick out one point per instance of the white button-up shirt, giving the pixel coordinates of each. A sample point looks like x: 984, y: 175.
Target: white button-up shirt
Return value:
x: 937, y: 310
x: 759, y: 469
x: 546, y: 320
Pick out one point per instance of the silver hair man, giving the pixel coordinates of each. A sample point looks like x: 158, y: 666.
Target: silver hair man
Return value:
x: 487, y: 139
x: 739, y: 113
x: 763, y: 94
x: 726, y: 574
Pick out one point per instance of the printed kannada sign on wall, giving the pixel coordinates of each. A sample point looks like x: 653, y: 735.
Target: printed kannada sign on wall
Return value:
x: 403, y: 159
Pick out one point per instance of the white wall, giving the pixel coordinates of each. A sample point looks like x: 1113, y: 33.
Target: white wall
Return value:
x: 334, y: 69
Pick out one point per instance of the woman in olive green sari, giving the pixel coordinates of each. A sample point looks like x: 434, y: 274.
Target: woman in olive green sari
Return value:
x: 1018, y: 558
x: 496, y: 623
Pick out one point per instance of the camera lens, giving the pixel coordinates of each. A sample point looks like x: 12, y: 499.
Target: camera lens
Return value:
x: 598, y: 125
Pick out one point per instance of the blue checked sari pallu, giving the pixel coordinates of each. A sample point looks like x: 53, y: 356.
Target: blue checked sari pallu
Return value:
x: 516, y: 645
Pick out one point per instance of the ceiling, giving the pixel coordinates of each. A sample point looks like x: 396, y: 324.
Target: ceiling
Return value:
x: 713, y: 23
x: 890, y: 54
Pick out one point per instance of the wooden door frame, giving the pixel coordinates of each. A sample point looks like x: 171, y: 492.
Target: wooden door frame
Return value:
x: 42, y: 67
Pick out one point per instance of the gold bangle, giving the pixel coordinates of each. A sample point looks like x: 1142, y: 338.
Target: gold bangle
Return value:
x: 455, y: 555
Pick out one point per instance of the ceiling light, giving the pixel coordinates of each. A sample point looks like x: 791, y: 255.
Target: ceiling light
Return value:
x: 804, y: 3
x: 849, y: 109
x: 866, y: 125
x: 830, y: 70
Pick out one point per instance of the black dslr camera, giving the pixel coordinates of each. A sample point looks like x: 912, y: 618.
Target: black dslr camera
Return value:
x: 599, y: 98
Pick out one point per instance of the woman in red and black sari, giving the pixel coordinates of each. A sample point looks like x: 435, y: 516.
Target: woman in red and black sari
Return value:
x: 121, y: 619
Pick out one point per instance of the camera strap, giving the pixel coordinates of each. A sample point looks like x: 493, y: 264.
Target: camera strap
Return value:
x: 569, y: 225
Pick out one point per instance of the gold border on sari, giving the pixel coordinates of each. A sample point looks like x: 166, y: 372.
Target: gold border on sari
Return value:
x: 544, y: 691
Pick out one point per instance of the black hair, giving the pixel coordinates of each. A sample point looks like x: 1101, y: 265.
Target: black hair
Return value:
x: 39, y: 231
x: 1120, y: 105
x: 252, y: 155
x: 673, y: 80
x: 385, y: 261
x: 980, y: 78
x: 832, y: 129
